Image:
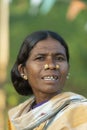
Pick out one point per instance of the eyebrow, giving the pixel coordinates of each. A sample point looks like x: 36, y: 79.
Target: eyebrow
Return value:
x: 44, y: 54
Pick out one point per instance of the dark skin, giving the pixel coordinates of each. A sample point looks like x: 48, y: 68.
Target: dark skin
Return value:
x: 46, y: 83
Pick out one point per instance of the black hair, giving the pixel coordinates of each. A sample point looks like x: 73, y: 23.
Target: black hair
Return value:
x: 22, y: 86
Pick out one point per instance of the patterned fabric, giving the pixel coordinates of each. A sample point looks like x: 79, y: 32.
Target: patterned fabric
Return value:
x: 65, y: 111
x: 10, y: 125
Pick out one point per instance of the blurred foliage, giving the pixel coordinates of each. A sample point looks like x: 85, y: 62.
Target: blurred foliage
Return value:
x: 74, y: 32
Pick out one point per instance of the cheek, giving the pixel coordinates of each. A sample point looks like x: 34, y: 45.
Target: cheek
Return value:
x: 64, y: 70
x: 31, y: 75
x: 32, y: 71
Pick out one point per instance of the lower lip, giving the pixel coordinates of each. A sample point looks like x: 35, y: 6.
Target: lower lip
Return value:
x: 50, y: 81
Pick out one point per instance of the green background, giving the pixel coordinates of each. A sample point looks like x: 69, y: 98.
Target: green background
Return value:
x: 74, y: 32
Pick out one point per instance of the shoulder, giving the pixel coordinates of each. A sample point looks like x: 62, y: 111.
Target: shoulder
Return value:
x: 12, y: 113
x: 10, y: 125
x: 73, y: 116
x: 76, y: 109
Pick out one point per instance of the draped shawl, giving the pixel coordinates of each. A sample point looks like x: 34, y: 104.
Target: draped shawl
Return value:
x: 65, y: 111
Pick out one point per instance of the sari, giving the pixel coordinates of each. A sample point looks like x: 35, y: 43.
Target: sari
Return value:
x: 65, y: 111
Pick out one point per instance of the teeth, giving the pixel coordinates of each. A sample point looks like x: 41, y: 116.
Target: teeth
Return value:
x: 51, y: 78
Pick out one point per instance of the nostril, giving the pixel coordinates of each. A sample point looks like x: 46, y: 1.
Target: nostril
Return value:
x: 52, y: 66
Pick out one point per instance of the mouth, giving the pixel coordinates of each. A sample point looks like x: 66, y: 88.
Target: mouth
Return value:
x: 50, y: 78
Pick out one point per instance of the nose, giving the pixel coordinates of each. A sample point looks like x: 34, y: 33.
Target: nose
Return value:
x: 51, y: 64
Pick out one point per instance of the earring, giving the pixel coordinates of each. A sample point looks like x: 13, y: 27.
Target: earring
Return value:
x: 57, y: 66
x: 46, y: 66
x: 68, y: 76
x: 24, y: 76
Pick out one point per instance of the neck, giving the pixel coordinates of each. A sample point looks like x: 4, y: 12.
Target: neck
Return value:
x: 44, y: 97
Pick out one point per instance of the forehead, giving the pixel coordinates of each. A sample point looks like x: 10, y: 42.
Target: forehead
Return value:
x: 48, y: 45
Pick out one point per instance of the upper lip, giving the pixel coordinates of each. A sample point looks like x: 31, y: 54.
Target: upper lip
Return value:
x: 50, y: 75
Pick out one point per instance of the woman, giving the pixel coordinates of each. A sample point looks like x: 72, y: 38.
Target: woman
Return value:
x: 41, y: 69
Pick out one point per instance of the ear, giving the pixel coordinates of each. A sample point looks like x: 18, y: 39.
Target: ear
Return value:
x: 68, y: 67
x: 68, y: 74
x: 21, y: 69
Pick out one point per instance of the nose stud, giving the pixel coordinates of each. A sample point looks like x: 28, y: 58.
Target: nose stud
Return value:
x: 57, y: 66
x: 46, y: 66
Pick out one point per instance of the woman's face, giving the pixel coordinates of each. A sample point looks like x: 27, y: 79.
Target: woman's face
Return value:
x: 51, y: 80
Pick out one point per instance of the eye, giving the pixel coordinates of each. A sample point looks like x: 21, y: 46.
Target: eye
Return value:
x: 40, y: 58
x: 60, y: 58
